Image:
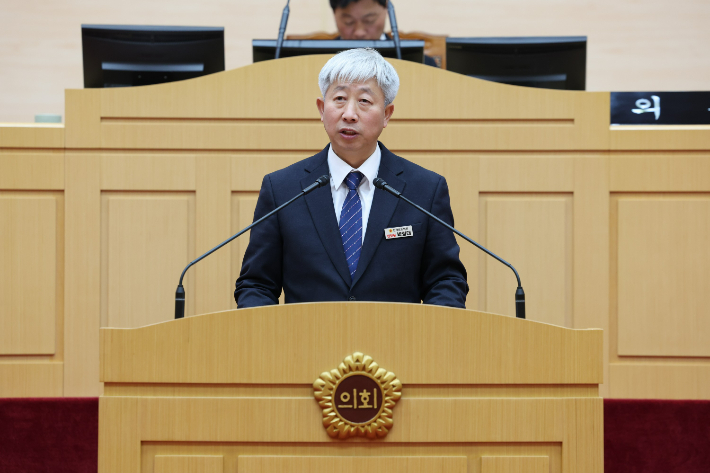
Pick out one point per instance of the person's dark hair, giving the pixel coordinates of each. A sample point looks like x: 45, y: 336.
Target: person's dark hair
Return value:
x: 344, y: 3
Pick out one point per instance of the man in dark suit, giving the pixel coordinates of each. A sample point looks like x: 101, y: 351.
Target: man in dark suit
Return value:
x: 336, y: 244
x: 364, y: 19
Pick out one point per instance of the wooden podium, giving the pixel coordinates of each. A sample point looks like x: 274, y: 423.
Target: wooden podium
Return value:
x: 233, y: 392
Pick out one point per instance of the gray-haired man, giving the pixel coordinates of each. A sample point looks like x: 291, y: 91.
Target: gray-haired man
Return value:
x: 339, y: 245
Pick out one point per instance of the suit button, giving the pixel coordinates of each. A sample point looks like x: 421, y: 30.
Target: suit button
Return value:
x: 352, y: 298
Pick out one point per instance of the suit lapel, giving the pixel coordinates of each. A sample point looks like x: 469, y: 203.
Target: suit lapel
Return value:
x: 320, y: 205
x: 383, y: 207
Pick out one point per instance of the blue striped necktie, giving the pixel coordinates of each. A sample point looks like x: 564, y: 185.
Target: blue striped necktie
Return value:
x: 351, y: 222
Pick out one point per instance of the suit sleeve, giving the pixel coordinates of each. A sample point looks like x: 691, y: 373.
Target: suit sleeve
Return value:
x: 443, y: 274
x: 260, y: 280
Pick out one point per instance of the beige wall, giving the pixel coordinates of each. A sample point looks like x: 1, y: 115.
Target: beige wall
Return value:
x: 633, y: 44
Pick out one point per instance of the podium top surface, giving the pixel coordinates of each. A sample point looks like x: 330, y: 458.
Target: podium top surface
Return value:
x: 294, y: 344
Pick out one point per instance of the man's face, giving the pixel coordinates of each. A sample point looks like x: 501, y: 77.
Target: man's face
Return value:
x: 354, y: 115
x: 363, y: 19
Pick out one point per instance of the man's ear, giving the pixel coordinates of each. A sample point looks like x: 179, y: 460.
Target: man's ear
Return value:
x: 320, y: 103
x: 389, y: 110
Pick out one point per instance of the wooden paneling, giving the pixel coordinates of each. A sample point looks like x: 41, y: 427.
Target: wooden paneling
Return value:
x: 663, y: 275
x: 660, y: 172
x: 189, y: 464
x: 214, y: 287
x: 515, y: 465
x: 285, y: 117
x: 284, y: 464
x: 32, y: 135
x: 83, y: 118
x: 530, y: 172
x: 31, y: 169
x: 82, y: 301
x: 279, y: 332
x: 471, y: 451
x: 672, y: 137
x: 568, y: 432
x: 242, y: 209
x: 591, y: 248
x: 148, y: 172
x: 534, y: 231
x: 147, y: 241
x: 23, y: 379
x: 660, y: 380
x: 28, y: 281
x: 411, y: 391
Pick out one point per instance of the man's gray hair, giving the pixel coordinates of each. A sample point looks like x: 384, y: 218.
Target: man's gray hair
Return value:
x: 360, y: 65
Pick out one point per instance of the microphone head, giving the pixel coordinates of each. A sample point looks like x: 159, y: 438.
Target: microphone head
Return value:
x: 379, y: 183
x: 323, y: 180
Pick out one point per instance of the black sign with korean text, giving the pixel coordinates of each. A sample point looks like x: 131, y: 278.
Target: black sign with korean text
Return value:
x: 660, y: 108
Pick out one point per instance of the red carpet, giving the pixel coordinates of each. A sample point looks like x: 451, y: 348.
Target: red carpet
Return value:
x: 61, y: 435
x: 49, y: 435
x: 656, y: 436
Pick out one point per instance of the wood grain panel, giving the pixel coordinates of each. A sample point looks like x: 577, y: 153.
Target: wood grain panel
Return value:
x: 534, y: 232
x: 544, y: 354
x: 660, y: 172
x: 148, y: 240
x: 303, y: 464
x: 31, y: 170
x: 663, y: 261
x: 530, y: 172
x: 249, y: 168
x: 213, y: 288
x: 515, y: 465
x: 31, y: 379
x: 189, y: 464
x: 148, y: 172
x: 510, y: 118
x: 83, y: 118
x: 82, y: 299
x: 243, y: 206
x: 660, y: 380
x: 232, y: 451
x: 241, y: 420
x: 591, y: 271
x: 31, y: 135
x: 119, y: 436
x: 411, y: 391
x: 672, y: 137
x: 28, y: 281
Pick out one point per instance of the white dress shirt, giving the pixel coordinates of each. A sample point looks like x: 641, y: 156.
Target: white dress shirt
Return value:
x: 339, y: 170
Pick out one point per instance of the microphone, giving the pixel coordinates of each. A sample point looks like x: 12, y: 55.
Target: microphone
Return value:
x: 519, y: 293
x: 395, y: 31
x: 180, y: 292
x: 282, y: 29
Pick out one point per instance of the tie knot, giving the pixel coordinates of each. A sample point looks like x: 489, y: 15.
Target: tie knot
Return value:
x: 353, y: 180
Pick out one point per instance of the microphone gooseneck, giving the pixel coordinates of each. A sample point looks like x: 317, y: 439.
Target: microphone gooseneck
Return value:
x: 180, y: 292
x: 282, y: 29
x: 519, y: 293
x: 395, y: 31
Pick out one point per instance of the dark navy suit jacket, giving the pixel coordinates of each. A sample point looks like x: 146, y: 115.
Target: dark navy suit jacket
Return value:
x: 300, y: 249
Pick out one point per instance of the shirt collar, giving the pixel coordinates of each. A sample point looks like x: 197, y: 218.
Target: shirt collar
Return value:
x: 339, y: 169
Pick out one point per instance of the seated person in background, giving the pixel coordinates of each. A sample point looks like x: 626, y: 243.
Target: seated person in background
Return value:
x: 364, y: 19
x: 331, y: 245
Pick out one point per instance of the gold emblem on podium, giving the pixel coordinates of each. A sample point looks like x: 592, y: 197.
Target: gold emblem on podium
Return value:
x: 357, y: 398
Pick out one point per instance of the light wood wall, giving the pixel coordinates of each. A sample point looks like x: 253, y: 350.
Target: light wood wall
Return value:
x: 607, y: 227
x: 633, y: 45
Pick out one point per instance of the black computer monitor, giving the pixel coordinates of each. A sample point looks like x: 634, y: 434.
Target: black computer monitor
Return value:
x: 124, y: 56
x: 544, y: 62
x: 265, y: 49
